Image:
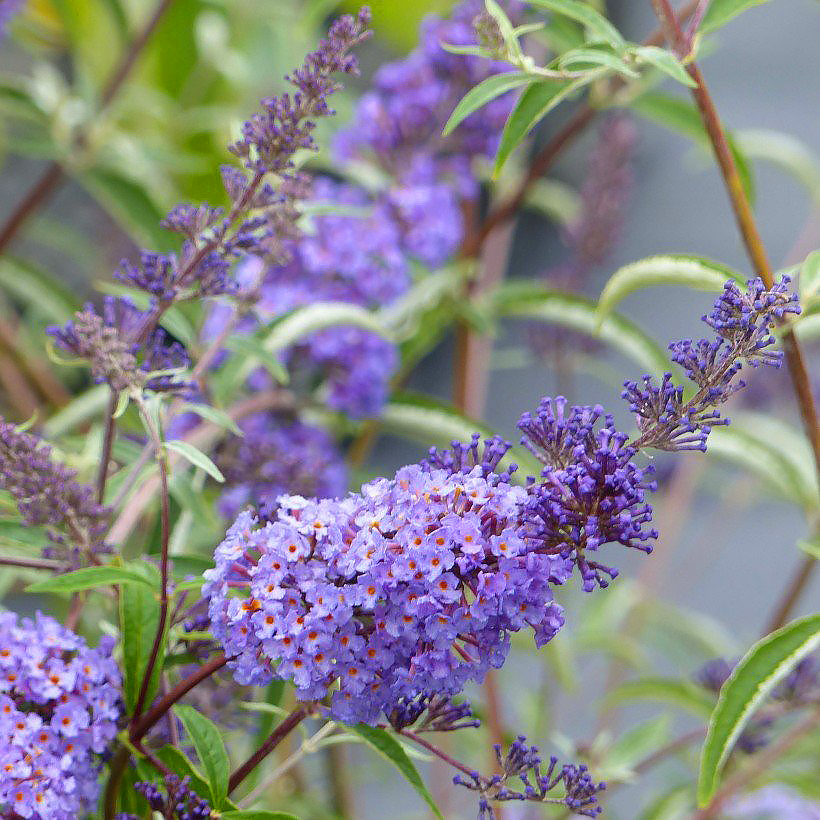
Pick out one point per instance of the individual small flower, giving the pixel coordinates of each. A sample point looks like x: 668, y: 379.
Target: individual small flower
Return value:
x: 59, y: 707
x: 179, y: 801
x: 48, y: 495
x: 522, y: 763
x: 124, y: 348
x: 409, y: 588
x: 274, y: 456
x: 590, y: 493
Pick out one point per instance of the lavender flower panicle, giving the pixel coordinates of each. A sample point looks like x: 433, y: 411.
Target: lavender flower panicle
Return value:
x: 590, y: 493
x: 410, y: 587
x: 285, y: 125
x: 523, y: 763
x: 48, y: 495
x: 432, y: 713
x: 742, y: 321
x: 119, y: 351
x: 59, y: 707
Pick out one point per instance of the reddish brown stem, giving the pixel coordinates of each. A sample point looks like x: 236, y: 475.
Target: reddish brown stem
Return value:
x: 756, y: 251
x: 274, y: 739
x: 108, y: 443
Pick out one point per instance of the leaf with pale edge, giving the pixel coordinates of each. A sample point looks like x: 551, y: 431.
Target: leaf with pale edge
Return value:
x: 196, y: 457
x: 667, y: 269
x: 88, y: 578
x: 487, y: 90
x: 759, y: 671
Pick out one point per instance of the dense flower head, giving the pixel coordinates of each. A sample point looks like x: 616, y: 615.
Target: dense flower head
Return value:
x: 276, y: 455
x: 410, y: 587
x: 522, y: 763
x: 590, y: 493
x: 59, y: 706
x: 48, y: 495
x: 175, y: 800
x: 286, y: 123
x: 124, y: 347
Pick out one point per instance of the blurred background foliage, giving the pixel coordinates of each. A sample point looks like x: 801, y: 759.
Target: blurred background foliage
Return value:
x: 126, y: 158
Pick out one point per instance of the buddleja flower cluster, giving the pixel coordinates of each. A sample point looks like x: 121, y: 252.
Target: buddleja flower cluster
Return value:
x: 522, y: 763
x: 742, y: 321
x: 124, y: 344
x: 59, y: 706
x: 179, y: 802
x: 411, y: 586
x: 48, y: 495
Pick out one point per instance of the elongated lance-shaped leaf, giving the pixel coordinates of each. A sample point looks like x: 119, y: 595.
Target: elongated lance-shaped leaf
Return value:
x: 664, y: 61
x: 533, y: 105
x: 388, y: 747
x: 682, y: 693
x: 210, y: 749
x: 536, y: 302
x: 694, y: 272
x: 196, y: 457
x: 484, y: 92
x: 721, y: 12
x: 88, y: 578
x: 595, y: 23
x: 751, y: 682
x: 317, y: 316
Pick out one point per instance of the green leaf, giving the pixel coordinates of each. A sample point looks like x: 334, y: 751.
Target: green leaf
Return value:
x: 666, y: 269
x: 139, y: 618
x: 752, y: 680
x: 810, y: 278
x: 428, y: 421
x: 317, y: 316
x: 637, y: 743
x: 721, y: 12
x: 811, y: 547
x: 532, y: 106
x: 387, y: 746
x: 210, y: 749
x: 784, y: 151
x: 196, y: 457
x: 36, y: 290
x: 555, y: 200
x: 664, y: 61
x: 758, y: 444
x: 682, y: 116
x: 253, y: 347
x: 487, y: 90
x: 130, y: 205
x: 533, y: 301
x: 595, y: 23
x: 682, y: 693
x: 88, y: 578
x: 257, y: 814
x: 587, y: 58
x: 78, y: 411
x: 213, y: 414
